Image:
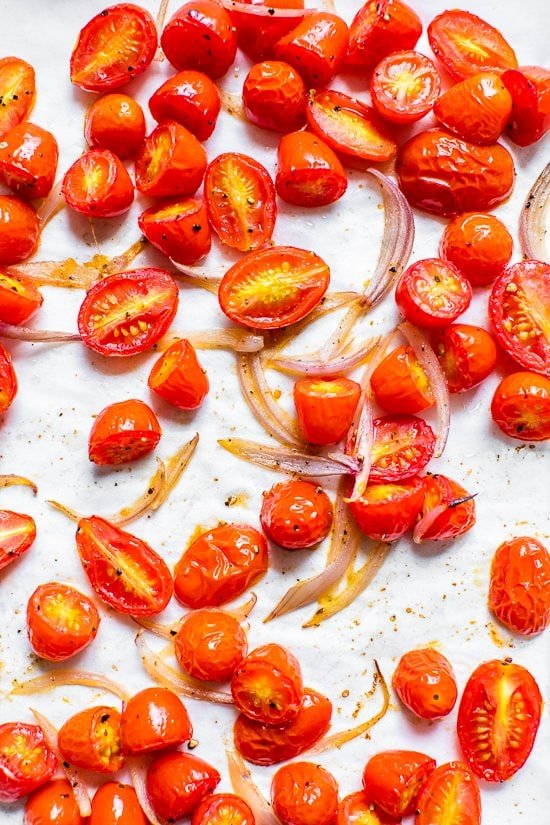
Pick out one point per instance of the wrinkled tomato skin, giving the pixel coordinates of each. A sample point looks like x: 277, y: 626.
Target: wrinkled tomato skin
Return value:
x: 404, y: 87
x: 220, y: 565
x: 386, y: 511
x: 18, y: 92
x: 200, y: 36
x: 393, y: 780
x: 267, y: 745
x: 123, y: 432
x: 190, y: 98
x: 115, y: 122
x: 171, y: 162
x: 446, y: 175
x: 477, y: 109
x: 116, y: 804
x: 467, y: 355
x: 498, y: 719
x: 53, y: 804
x: 178, y: 377
x: 61, y: 621
x: 275, y: 97
x: 113, y: 197
x: 425, y: 683
x: 325, y: 408
x: 519, y: 591
x: 479, y: 245
x: 179, y: 228
x: 304, y: 794
x: 91, y: 740
x: 153, y: 719
x: 26, y: 760
x: 358, y: 809
x: 380, y: 28
x: 8, y: 379
x: 403, y: 445
x: 399, y: 383
x: 296, y: 514
x: 451, y: 794
x: 28, y: 160
x: 309, y: 173
x: 177, y: 782
x: 457, y: 518
x: 20, y: 229
x: 267, y: 685
x: 19, y: 534
x: 19, y: 299
x: 316, y: 47
x: 215, y: 810
x: 432, y: 293
x: 258, y: 35
x: 521, y: 406
x: 210, y: 644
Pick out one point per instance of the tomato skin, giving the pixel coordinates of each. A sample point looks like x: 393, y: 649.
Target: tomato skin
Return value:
x: 459, y: 515
x: 530, y: 90
x: 267, y: 685
x: 404, y: 87
x: 191, y: 99
x: 451, y: 794
x: 403, y: 445
x: 519, y: 591
x: 446, y: 175
x: 258, y: 35
x: 304, y: 794
x: 220, y: 565
x: 177, y: 783
x: 113, y: 196
x: 296, y: 514
x: 521, y: 406
x: 316, y: 47
x: 178, y: 377
x: 502, y: 700
x: 275, y: 97
x: 210, y: 644
x: 325, y: 408
x: 399, y: 383
x: 152, y: 720
x: 309, y: 173
x: 91, y: 740
x: 386, y: 511
x: 8, y: 379
x: 179, y: 228
x: 19, y: 299
x: 477, y: 109
x: 115, y: 122
x: 479, y: 245
x: 28, y: 160
x: 26, y: 760
x: 393, y: 779
x: 215, y: 809
x: 123, y: 432
x: 358, y: 809
x: 53, y: 804
x: 467, y: 355
x: 425, y: 683
x: 20, y: 229
x: 18, y: 92
x: 171, y: 162
x: 61, y: 621
x: 20, y: 533
x: 116, y: 804
x: 200, y: 36
x: 432, y: 293
x: 380, y: 28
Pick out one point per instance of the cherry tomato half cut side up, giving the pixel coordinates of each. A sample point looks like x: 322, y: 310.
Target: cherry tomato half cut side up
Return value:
x: 519, y: 592
x: 316, y: 47
x: 53, y: 804
x: 191, y: 99
x: 275, y: 97
x: 153, y: 719
x: 404, y: 87
x: 467, y: 355
x: 325, y: 408
x: 200, y: 36
x: 115, y: 122
x: 17, y: 91
x: 28, y: 160
x: 399, y: 383
x: 403, y: 445
x: 359, y: 809
x: 171, y: 163
x: 209, y: 644
x: 61, y: 621
x: 477, y: 109
x: 177, y: 782
x: 221, y: 809
x: 26, y: 760
x: 258, y: 33
x: 20, y: 229
x: 17, y: 534
x: 115, y: 804
x: 179, y: 378
x: 448, y: 510
x: 8, y: 380
x: 91, y: 740
x: 386, y: 511
x: 123, y: 432
x: 432, y: 293
x: 309, y: 173
x: 521, y: 406
x: 296, y: 514
x: 303, y: 793
x: 450, y: 794
x: 267, y: 686
x: 479, y: 245
x: 98, y: 185
x: 393, y: 780
x: 179, y: 228
x: 425, y: 683
x: 380, y: 28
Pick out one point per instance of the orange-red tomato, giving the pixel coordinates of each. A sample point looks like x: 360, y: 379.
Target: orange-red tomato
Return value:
x: 26, y: 760
x: 153, y: 719
x: 200, y: 35
x: 8, y: 380
x: 178, y: 782
x: 402, y: 447
x: 425, y: 683
x: 447, y: 511
x: 54, y: 804
x: 478, y: 244
x: 467, y: 355
x: 115, y: 122
x: 296, y: 514
x: 386, y: 511
x: 359, y: 809
x: 17, y: 533
x: 19, y: 299
x: 209, y: 644
x: 519, y: 592
x: 399, y: 383
x: 521, y: 406
x: 220, y: 565
x: 91, y: 740
x: 304, y: 794
x: 171, y: 162
x: 316, y: 47
x: 477, y: 109
x: 530, y: 91
x: 275, y: 96
x: 189, y: 98
x: 17, y: 92
x: 258, y: 30
x: 379, y: 28
x: 309, y: 173
x: 98, y: 185
x: 178, y: 377
x: 28, y: 160
x: 267, y: 685
x: 223, y: 809
x: 432, y: 293
x: 404, y: 87
x: 115, y: 804
x: 393, y: 779
x: 446, y: 175
x: 20, y: 229
x: 123, y: 432
x: 179, y: 228
x: 61, y: 621
x: 451, y: 794
x: 325, y: 407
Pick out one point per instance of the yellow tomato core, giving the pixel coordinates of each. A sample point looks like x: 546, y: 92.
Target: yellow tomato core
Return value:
x: 60, y: 611
x: 108, y: 740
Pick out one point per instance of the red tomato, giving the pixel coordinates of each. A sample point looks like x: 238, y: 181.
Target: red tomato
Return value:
x: 179, y: 228
x: 26, y: 760
x: 386, y: 511
x: 91, y: 740
x: 304, y: 794
x: 17, y: 92
x: 123, y: 570
x: 519, y: 592
x: 446, y: 175
x: 448, y: 510
x: 178, y: 782
x: 521, y: 406
x: 178, y: 377
x: 153, y: 719
x: 129, y: 312
x: 8, y: 378
x: 309, y: 173
x: 466, y: 45
x: 451, y: 794
x: 275, y: 97
x: 116, y: 45
x: 200, y: 36
x: 325, y: 407
x: 296, y: 514
x: 54, y: 804
x: 98, y: 185
x: 123, y: 432
x: 258, y: 30
x: 399, y: 383
x: 19, y: 299
x: 316, y: 47
x: 498, y: 719
x: 267, y: 685
x: 28, y: 160
x: 425, y: 683
x: 432, y: 293
x: 477, y: 109
x: 518, y: 311
x: 20, y: 229
x: 223, y: 809
x: 17, y: 533
x: 115, y: 804
x: 171, y: 163
x: 189, y: 98
x: 210, y: 644
x: 379, y: 28
x: 240, y: 201
x: 266, y: 745
x: 479, y: 245
x: 115, y: 122
x: 61, y: 621
x: 404, y: 87
x: 393, y: 780
x: 530, y: 90
x: 403, y: 445
x: 274, y: 287
x: 467, y: 355
x: 220, y: 565
x: 359, y: 809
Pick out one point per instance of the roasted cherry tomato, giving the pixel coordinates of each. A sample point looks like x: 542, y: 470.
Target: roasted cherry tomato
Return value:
x: 189, y: 98
x: 223, y: 809
x: 19, y: 299
x: 404, y: 87
x: 425, y: 683
x: 446, y: 175
x: 530, y: 90
x: 519, y: 592
x: 325, y: 407
x: 179, y: 228
x: 304, y: 794
x: 20, y: 229
x: 274, y: 287
x: 17, y: 91
x: 26, y: 760
x: 521, y: 406
x: 403, y: 445
x: 54, y: 804
x: 91, y: 740
x: 296, y: 514
x: 220, y: 565
x: 477, y: 109
x: 467, y: 355
x: 123, y: 570
x: 153, y: 719
x: 498, y: 719
x: 267, y: 686
x: 447, y: 511
x: 128, y: 312
x: 275, y: 96
x: 17, y: 533
x: 177, y: 782
x: 8, y: 380
x: 399, y: 383
x: 98, y: 185
x: 451, y: 794
x: 266, y: 745
x: 309, y: 173
x: 259, y: 28
x: 393, y: 780
x: 200, y: 36
x: 28, y: 160
x: 386, y: 511
x: 123, y: 432
x: 432, y: 293
x: 359, y: 809
x: 479, y: 245
x: 117, y: 45
x: 171, y: 163
x: 178, y: 377
x: 380, y: 28
x: 240, y: 201
x: 316, y: 47
x: 61, y: 621
x: 115, y: 122
x: 209, y: 644
x: 116, y: 804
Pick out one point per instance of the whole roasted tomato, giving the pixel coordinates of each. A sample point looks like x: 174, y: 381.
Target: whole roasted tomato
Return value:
x: 399, y: 383
x: 20, y: 229
x: 61, y: 621
x: 115, y: 122
x: 18, y: 92
x: 467, y: 355
x: 223, y: 809
x: 267, y: 685
x: 380, y: 28
x: 177, y: 782
x: 477, y: 109
x: 403, y: 445
x: 171, y: 162
x: 447, y: 511
x: 404, y: 87
x: 200, y: 36
x: 97, y: 185
x: 28, y: 160
x: 115, y: 804
x: 304, y: 794
x: 479, y: 245
x: 432, y: 293
x: 425, y: 683
x: 210, y: 644
x: 316, y: 47
x: 275, y: 96
x: 154, y: 719
x: 519, y: 592
x: 179, y: 228
x: 521, y: 406
x: 123, y: 432
x: 450, y: 794
x: 19, y: 299
x: 296, y: 514
x: 309, y: 173
x: 178, y: 377
x: 17, y: 533
x: 91, y: 740
x: 190, y: 98
x: 393, y: 780
x: 26, y: 760
x: 325, y: 407
x: 386, y: 511
x: 54, y: 804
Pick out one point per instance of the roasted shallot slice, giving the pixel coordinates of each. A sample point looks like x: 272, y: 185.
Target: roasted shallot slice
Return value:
x: 532, y: 223
x: 65, y: 678
x: 287, y: 461
x: 245, y: 787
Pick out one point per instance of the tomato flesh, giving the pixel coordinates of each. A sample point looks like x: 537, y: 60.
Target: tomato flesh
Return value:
x: 179, y: 378
x: 98, y: 185
x: 467, y: 355
x: 393, y: 779
x: 358, y: 809
x: 91, y: 740
x: 179, y: 228
x: 267, y: 685
x: 432, y: 293
x: 450, y: 795
x: 171, y: 163
x: 61, y: 621
x: 399, y: 383
x: 403, y: 446
x: 26, y: 760
x: 17, y: 93
x: 448, y: 510
x: 123, y: 432
x: 404, y: 87
x: 309, y: 173
x: 17, y: 534
x: 521, y: 406
x: 223, y: 809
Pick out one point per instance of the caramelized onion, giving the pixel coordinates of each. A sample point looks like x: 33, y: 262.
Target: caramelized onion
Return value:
x: 175, y: 467
x: 238, y: 340
x: 52, y: 203
x: 243, y: 611
x: 315, y: 364
x: 13, y: 480
x: 161, y: 17
x: 279, y: 458
x: 27, y: 334
x: 233, y: 105
x: 66, y: 678
x: 532, y: 223
x: 275, y: 421
x: 245, y: 787
x: 146, y: 500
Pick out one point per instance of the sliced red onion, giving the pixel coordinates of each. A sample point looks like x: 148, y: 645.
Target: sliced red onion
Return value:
x: 279, y: 458
x: 52, y: 203
x: 423, y: 525
x: 532, y: 223
x: 27, y: 334
x: 175, y: 466
x: 314, y: 364
x: 264, y: 11
x: 138, y: 766
x: 231, y: 338
x: 245, y: 787
x: 353, y: 464
x: 275, y: 421
x: 120, y: 263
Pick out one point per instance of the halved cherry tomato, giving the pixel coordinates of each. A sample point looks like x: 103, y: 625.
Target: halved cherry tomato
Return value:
x: 479, y: 245
x: 393, y: 779
x: 179, y: 228
x: 477, y: 109
x: 519, y: 592
x: 128, y: 312
x: 521, y: 406
x: 403, y: 445
x: 178, y: 782
x: 448, y: 510
x: 115, y: 804
x: 304, y: 794
x: 153, y: 719
x: 179, y: 378
x: 17, y: 92
x: 209, y: 644
x: 519, y: 311
x: 325, y: 407
x: 8, y: 379
x: 446, y: 175
x: 425, y: 683
x: 61, y: 621
x: 223, y: 809
x: 379, y: 28
x: 275, y: 96
x: 259, y: 29
x: 19, y: 298
x: 467, y: 355
x: 274, y: 287
x: 20, y: 229
x: 17, y: 533
x: 530, y: 90
x: 316, y: 47
x: 240, y: 201
x: 171, y: 163
x: 404, y: 87
x: 91, y: 740
x: 200, y: 35
x: 98, y: 185
x: 220, y: 565
x: 123, y: 570
x: 309, y: 173
x: 115, y: 46
x: 498, y: 719
x: 386, y: 511
x: 28, y: 160
x: 399, y: 383
x: 358, y: 809
x: 451, y: 794
x: 466, y: 45
x: 189, y: 98
x: 266, y: 744
x: 26, y: 760
x: 123, y: 432
x: 115, y: 122
x: 296, y: 514
x: 54, y: 804
x: 432, y: 293
x: 267, y: 685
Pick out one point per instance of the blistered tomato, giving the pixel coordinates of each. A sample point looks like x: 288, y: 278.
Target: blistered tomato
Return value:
x: 177, y: 782
x: 309, y: 173
x: 316, y: 47
x: 467, y: 355
x: 223, y: 809
x: 325, y: 407
x: 530, y: 91
x: 190, y: 98
x: 304, y: 794
x: 275, y: 96
x: 478, y: 244
x: 116, y: 804
x: 393, y: 779
x: 154, y: 719
x: 28, y: 160
x: 386, y: 511
x: 91, y: 740
x: 178, y: 377
x: 123, y: 432
x: 20, y: 229
x: 399, y: 383
x: 115, y: 122
x: 404, y: 87
x: 447, y: 511
x: 432, y: 293
x: 53, y: 804
x: 425, y: 683
x: 477, y: 109
x: 267, y: 686
x: 296, y: 514
x: 210, y: 644
x: 26, y: 760
x: 258, y: 30
x: 98, y: 185
x: 61, y: 621
x: 521, y: 406
x: 380, y: 28
x: 17, y: 91
x: 200, y: 36
x: 171, y: 163
x: 519, y: 592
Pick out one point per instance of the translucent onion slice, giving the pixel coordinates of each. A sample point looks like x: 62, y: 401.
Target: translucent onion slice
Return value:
x: 43, y: 335
x: 165, y: 631
x: 161, y: 17
x: 286, y: 461
x: 203, y: 276
x: 138, y: 765
x: 52, y: 203
x: 243, y: 611
x: 264, y: 11
x: 13, y: 480
x: 233, y: 105
x: 532, y: 223
x: 71, y: 514
x: 275, y: 421
x: 120, y: 263
x: 67, y: 678
x: 245, y: 787
x: 175, y: 467
x: 237, y: 340
x: 316, y: 365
